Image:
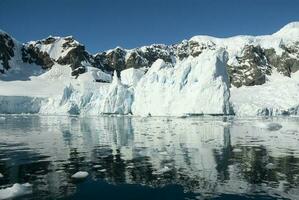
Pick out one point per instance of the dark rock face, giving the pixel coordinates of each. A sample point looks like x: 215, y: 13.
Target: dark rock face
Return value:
x: 76, y: 54
x: 100, y: 61
x: 255, y: 63
x: 288, y: 62
x: 136, y: 60
x: 120, y: 59
x: 74, y: 58
x: 32, y: 54
x: 251, y: 69
x: 157, y: 51
x: 6, y: 51
x: 77, y: 71
x: 193, y: 48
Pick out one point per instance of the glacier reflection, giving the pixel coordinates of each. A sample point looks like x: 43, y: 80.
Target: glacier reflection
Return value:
x: 208, y: 156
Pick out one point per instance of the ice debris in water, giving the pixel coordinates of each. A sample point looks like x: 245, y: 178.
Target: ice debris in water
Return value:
x: 17, y: 190
x: 1, y: 175
x: 163, y: 170
x: 97, y: 166
x: 237, y: 150
x: 270, y: 166
x: 80, y: 175
x: 2, y: 118
x: 270, y: 126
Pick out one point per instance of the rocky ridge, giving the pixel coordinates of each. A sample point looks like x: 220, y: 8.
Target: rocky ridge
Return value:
x: 249, y: 65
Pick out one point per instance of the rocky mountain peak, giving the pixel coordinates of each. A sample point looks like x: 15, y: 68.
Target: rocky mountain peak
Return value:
x: 61, y: 50
x: 6, y: 51
x: 250, y: 59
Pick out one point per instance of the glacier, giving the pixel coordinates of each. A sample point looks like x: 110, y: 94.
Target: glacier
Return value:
x: 193, y: 86
x: 196, y: 84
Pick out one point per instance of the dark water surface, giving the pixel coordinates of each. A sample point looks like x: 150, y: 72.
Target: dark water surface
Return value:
x: 150, y: 158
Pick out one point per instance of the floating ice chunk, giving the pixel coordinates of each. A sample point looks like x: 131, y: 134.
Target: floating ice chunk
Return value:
x: 269, y: 126
x: 2, y: 118
x: 274, y: 126
x: 16, y: 190
x: 163, y: 170
x: 102, y: 170
x: 163, y: 153
x: 1, y: 175
x: 291, y: 132
x: 270, y: 166
x: 224, y: 124
x: 80, y: 175
x: 97, y: 166
x: 236, y: 150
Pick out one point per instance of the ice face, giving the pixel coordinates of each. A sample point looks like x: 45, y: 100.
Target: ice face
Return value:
x: 193, y: 86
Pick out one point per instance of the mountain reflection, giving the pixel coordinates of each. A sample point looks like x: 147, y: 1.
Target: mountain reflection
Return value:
x: 206, y: 156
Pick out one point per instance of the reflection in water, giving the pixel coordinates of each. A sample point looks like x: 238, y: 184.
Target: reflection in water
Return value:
x: 176, y: 157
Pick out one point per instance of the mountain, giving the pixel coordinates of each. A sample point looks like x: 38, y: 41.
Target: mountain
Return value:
x: 242, y: 75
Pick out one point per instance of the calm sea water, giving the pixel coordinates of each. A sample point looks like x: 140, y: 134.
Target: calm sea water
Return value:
x: 150, y: 158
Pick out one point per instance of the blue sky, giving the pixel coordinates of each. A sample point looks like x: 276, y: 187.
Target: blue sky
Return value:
x: 105, y: 24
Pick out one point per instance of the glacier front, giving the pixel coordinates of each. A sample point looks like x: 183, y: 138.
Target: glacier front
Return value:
x: 193, y: 86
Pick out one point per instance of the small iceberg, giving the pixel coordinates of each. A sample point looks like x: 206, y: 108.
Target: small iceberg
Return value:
x: 1, y: 175
x: 270, y: 166
x: 236, y: 150
x: 163, y: 170
x: 80, y: 175
x: 269, y: 126
x: 17, y: 190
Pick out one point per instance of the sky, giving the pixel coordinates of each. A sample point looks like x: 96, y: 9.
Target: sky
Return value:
x: 105, y: 24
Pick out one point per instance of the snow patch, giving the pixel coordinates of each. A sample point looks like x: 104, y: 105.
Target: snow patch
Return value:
x: 278, y: 96
x: 270, y: 166
x: 17, y: 190
x: 56, y: 49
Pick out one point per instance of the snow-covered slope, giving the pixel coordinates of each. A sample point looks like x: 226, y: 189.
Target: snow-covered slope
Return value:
x: 244, y: 75
x: 278, y: 96
x: 12, y: 66
x: 55, y: 47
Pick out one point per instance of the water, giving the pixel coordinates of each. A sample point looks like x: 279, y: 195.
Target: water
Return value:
x: 150, y: 158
